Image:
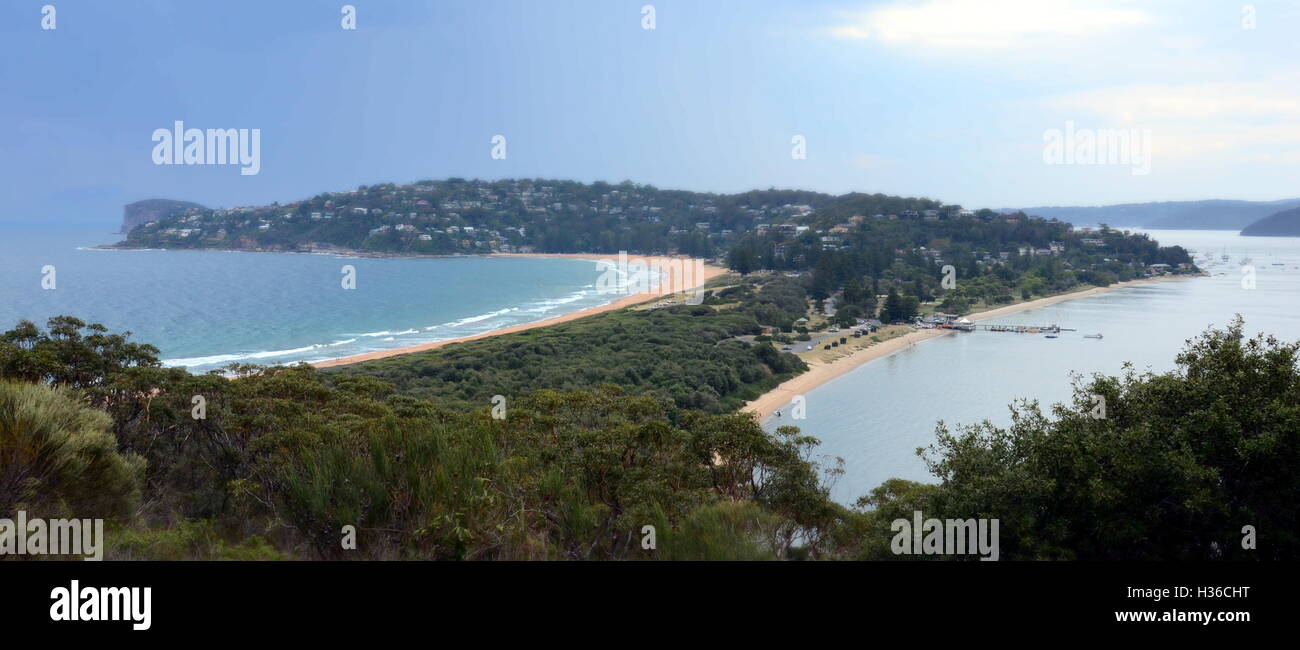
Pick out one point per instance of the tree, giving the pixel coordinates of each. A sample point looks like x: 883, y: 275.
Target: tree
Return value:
x: 66, y: 356
x: 909, y: 308
x: 742, y: 260
x: 893, y: 309
x: 954, y: 303
x: 1143, y: 467
x: 854, y: 293
x: 847, y: 316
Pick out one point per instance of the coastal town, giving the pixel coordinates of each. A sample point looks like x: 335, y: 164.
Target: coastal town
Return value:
x: 783, y: 230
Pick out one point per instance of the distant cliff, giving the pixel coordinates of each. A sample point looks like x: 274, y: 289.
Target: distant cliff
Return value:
x: 1282, y: 224
x: 148, y: 210
x: 1171, y: 215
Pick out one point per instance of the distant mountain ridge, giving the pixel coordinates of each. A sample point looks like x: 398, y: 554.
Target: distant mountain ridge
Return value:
x: 1283, y: 224
x: 1214, y: 214
x: 142, y: 212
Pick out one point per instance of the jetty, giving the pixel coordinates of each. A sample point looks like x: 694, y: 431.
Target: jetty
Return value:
x: 950, y: 322
x: 1027, y: 329
x: 1014, y: 329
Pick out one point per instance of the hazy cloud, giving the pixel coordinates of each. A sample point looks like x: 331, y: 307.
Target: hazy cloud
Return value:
x: 986, y: 24
x: 1225, y: 100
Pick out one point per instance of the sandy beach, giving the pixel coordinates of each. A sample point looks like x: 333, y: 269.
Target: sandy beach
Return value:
x: 687, y: 282
x: 819, y: 373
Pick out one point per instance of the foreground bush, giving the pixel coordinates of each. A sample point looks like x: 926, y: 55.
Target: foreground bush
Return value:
x: 1175, y: 467
x: 59, y: 459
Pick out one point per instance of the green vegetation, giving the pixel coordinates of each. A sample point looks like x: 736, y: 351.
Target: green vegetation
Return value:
x: 1179, y: 465
x: 989, y: 259
x: 285, y: 458
x: 57, y: 456
x: 687, y: 356
x: 458, y: 216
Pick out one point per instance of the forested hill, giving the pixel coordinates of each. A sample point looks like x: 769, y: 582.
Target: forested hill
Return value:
x: 1282, y: 224
x: 850, y: 241
x: 987, y: 259
x: 528, y: 215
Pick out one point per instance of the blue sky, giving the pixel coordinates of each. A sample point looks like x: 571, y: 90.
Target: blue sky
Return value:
x: 948, y: 99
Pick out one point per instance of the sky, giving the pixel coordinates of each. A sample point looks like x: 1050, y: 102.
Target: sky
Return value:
x: 954, y: 100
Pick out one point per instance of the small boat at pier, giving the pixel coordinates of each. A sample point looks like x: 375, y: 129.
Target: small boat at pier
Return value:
x: 1092, y: 336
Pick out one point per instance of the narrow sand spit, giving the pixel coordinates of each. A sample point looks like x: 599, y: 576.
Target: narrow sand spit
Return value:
x: 687, y: 282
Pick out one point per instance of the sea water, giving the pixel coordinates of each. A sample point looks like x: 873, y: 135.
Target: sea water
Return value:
x: 207, y: 309
x: 876, y: 416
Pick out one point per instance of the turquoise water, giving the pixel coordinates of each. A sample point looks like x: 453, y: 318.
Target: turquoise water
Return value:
x: 876, y: 416
x: 206, y: 309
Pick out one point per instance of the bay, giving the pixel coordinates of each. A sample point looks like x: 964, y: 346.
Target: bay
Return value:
x: 876, y: 416
x: 206, y: 309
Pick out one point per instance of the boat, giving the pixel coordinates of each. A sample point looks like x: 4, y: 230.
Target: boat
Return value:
x: 1092, y: 336
x: 1053, y: 336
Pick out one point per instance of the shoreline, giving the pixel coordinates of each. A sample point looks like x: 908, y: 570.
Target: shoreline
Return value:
x: 332, y: 252
x: 710, y: 272
x: 820, y: 373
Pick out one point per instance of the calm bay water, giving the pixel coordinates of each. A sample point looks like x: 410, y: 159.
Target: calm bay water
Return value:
x: 205, y: 309
x: 876, y: 416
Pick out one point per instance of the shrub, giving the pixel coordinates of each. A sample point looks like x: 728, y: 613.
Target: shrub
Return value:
x: 57, y: 457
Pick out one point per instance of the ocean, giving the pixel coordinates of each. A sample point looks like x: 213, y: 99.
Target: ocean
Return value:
x: 206, y: 309
x: 876, y: 416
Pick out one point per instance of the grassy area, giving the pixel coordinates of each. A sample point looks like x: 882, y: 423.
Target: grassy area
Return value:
x: 821, y: 355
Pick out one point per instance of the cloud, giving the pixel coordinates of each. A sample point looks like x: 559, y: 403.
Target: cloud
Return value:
x: 1220, y: 100
x: 986, y: 24
x: 1221, y: 122
x: 872, y: 161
